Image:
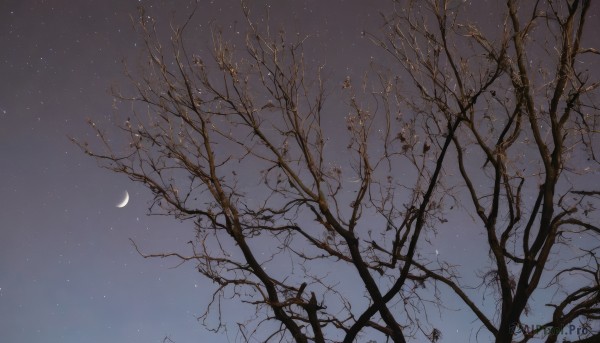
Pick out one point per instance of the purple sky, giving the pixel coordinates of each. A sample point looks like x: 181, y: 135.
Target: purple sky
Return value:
x: 68, y: 272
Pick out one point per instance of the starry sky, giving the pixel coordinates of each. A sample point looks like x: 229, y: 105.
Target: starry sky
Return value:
x: 68, y: 272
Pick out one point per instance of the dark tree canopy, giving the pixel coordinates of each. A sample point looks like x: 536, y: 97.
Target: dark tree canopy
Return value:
x: 319, y: 231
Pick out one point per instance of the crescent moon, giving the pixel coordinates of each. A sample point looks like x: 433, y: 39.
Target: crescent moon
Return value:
x: 125, y: 201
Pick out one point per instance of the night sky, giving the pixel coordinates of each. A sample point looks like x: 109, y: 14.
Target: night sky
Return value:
x: 68, y: 272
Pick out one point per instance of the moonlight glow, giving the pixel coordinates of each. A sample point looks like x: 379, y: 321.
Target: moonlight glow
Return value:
x: 125, y: 200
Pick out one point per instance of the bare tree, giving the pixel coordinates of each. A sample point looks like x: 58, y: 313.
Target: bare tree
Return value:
x: 323, y: 240
x: 521, y: 99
